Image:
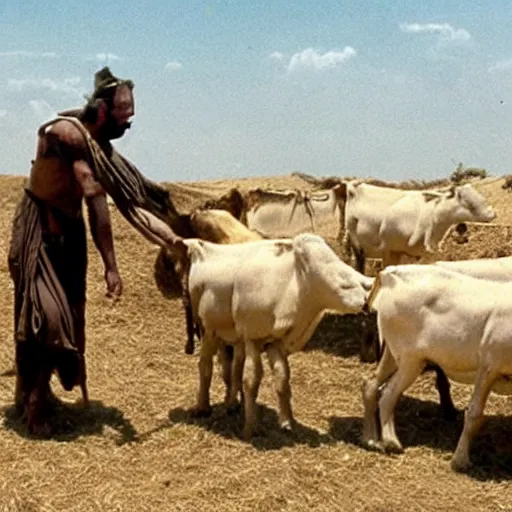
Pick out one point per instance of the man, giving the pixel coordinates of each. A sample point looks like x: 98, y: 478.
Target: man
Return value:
x: 74, y: 161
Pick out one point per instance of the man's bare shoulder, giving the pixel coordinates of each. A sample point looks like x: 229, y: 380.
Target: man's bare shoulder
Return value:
x: 66, y: 132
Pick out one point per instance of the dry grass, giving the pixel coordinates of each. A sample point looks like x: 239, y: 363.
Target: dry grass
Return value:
x: 137, y: 449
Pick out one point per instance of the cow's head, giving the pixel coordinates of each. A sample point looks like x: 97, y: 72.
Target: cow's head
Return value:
x: 233, y: 202
x: 471, y: 205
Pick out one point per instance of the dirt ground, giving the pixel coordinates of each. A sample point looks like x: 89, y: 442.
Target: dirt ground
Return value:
x: 137, y: 448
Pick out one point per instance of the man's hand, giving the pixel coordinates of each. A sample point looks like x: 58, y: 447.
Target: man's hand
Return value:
x: 114, y: 283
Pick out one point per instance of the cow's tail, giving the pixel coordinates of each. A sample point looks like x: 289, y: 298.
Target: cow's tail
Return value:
x: 189, y: 316
x: 350, y: 249
x: 374, y: 290
x: 181, y: 258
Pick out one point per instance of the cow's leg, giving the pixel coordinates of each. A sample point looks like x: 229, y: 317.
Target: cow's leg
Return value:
x: 473, y: 417
x: 370, y: 347
x: 253, y: 372
x: 360, y: 259
x: 237, y: 368
x: 281, y: 374
x: 370, y: 388
x: 391, y: 258
x: 225, y: 356
x: 443, y: 388
x: 408, y: 370
x: 209, y: 347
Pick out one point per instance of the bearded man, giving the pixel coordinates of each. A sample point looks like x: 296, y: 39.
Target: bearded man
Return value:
x: 75, y: 162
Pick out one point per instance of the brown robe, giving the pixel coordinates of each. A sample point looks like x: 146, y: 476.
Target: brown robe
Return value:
x: 50, y: 295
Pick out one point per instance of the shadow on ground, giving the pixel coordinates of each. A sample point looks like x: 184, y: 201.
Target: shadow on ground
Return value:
x: 343, y: 335
x: 72, y: 421
x: 267, y: 435
x: 420, y: 423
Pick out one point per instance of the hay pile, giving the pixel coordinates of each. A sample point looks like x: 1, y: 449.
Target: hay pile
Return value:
x: 137, y: 449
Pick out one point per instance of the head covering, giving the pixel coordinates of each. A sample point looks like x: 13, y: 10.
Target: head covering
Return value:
x: 104, y: 80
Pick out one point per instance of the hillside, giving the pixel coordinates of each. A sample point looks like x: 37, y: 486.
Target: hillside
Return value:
x: 137, y: 449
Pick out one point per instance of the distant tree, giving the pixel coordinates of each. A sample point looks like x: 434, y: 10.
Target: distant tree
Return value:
x: 462, y: 173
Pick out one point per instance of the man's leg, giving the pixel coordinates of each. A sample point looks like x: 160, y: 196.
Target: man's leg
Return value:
x: 79, y: 315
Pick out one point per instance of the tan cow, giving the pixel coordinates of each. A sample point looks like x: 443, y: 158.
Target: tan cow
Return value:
x: 221, y: 227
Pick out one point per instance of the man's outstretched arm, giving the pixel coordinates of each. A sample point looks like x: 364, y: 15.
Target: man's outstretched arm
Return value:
x: 100, y: 225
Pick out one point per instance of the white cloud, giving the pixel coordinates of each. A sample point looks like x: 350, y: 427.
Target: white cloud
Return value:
x: 276, y: 56
x: 173, y: 65
x: 67, y: 85
x: 502, y: 65
x: 42, y: 109
x: 3, y: 112
x: 445, y: 31
x: 310, y: 58
x: 105, y: 57
x: 22, y: 53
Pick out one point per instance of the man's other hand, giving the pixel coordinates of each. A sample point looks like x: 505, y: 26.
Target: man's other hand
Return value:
x: 114, y: 283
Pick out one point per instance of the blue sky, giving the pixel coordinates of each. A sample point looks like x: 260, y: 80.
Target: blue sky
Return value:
x: 226, y: 89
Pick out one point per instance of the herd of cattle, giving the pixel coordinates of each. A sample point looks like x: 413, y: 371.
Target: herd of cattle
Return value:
x: 256, y: 277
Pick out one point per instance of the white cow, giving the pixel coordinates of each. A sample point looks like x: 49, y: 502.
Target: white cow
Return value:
x: 495, y: 269
x: 264, y: 295
x: 388, y: 223
x: 430, y: 314
x: 276, y: 214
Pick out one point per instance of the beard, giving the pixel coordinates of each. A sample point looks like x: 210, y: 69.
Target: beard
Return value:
x: 112, y: 129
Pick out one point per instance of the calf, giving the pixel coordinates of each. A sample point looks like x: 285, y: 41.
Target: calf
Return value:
x: 268, y: 296
x: 430, y: 314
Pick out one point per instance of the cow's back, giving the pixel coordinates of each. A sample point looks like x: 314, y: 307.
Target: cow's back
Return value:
x: 365, y: 210
x: 445, y: 316
x: 276, y: 215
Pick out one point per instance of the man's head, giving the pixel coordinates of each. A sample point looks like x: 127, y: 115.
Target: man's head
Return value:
x: 111, y: 105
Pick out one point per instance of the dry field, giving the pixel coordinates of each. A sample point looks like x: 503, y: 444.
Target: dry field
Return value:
x: 137, y: 449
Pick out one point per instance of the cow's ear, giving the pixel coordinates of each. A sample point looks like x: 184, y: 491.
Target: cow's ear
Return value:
x: 430, y: 196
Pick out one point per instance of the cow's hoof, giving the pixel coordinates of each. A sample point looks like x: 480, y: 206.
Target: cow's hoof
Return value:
x: 460, y: 464
x: 391, y: 446
x: 83, y: 403
x: 247, y: 434
x: 286, y: 426
x: 373, y: 445
x: 201, y: 412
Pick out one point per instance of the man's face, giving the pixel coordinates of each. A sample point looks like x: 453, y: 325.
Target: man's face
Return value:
x: 118, y: 117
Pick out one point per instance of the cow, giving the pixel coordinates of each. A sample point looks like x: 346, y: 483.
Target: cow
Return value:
x: 390, y: 224
x: 214, y: 225
x: 276, y: 214
x: 429, y: 314
x: 233, y: 202
x: 495, y: 269
x: 220, y: 226
x: 266, y: 295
